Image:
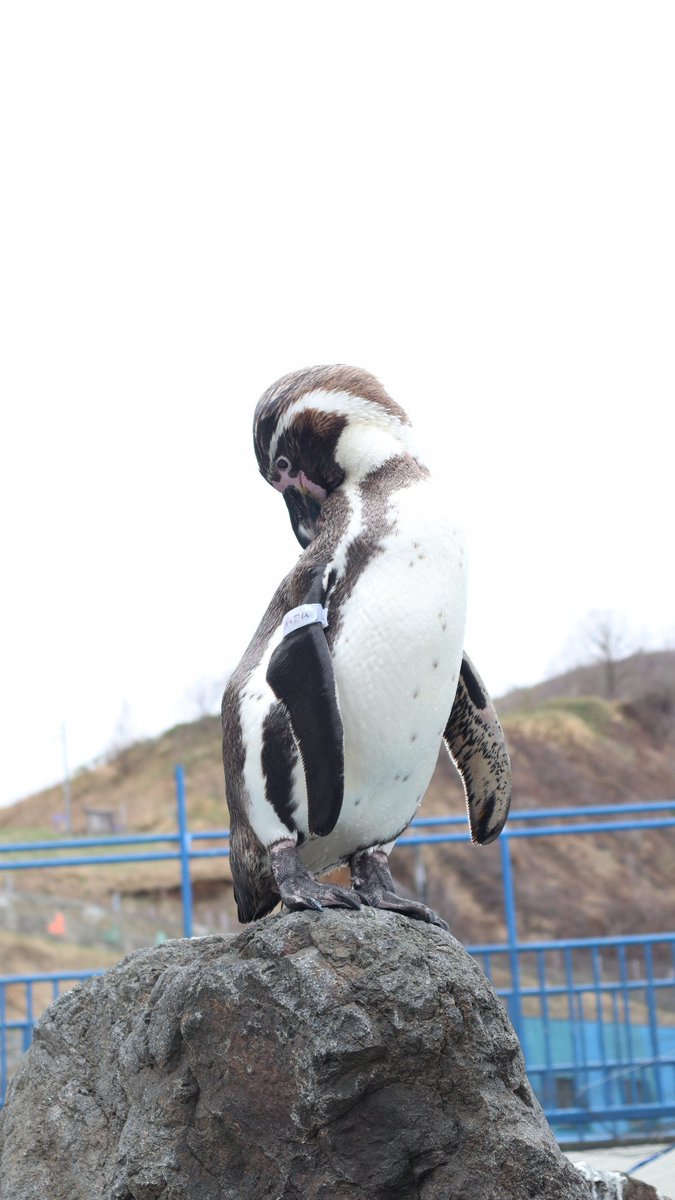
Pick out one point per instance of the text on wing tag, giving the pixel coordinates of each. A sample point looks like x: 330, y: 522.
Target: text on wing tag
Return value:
x: 306, y: 614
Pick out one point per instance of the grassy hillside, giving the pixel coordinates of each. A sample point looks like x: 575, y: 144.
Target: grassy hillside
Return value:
x: 639, y: 676
x: 567, y: 748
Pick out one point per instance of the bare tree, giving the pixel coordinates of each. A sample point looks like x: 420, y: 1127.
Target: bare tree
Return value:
x: 123, y: 738
x: 609, y: 640
x: 604, y: 637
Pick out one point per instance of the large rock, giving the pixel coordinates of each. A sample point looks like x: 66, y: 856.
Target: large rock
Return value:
x: 318, y: 1056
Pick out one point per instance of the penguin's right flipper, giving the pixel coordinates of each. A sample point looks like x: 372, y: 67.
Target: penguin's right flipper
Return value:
x: 475, y: 741
x: 300, y: 673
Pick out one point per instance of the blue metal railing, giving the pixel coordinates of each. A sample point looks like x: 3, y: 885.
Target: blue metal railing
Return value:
x: 183, y: 840
x: 20, y: 1029
x: 595, y: 1017
x: 593, y: 1036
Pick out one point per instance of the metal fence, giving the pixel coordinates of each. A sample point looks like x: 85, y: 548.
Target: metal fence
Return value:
x: 595, y: 1016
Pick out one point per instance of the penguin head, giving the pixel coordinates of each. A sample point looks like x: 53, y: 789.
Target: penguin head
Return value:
x: 318, y: 429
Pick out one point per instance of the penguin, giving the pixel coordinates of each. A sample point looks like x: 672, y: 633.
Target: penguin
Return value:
x: 333, y: 719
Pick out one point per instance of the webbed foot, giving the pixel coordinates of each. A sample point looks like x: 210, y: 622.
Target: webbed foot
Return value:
x: 297, y: 886
x: 372, y: 881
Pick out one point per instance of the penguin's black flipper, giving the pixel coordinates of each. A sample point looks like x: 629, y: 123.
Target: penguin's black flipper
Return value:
x: 300, y: 673
x: 475, y: 741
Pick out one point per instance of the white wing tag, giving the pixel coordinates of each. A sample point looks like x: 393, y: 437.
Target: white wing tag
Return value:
x: 306, y: 614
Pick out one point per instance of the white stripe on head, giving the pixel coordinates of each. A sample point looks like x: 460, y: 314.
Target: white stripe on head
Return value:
x: 347, y: 404
x: 362, y: 448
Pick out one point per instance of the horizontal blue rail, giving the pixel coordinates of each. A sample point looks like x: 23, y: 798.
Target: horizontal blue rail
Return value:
x: 540, y: 814
x: 50, y: 976
x: 543, y: 831
x: 617, y: 1113
x: 428, y: 839
x: 535, y: 814
x: 130, y: 839
x: 629, y: 939
x: 99, y: 860
x: 56, y: 845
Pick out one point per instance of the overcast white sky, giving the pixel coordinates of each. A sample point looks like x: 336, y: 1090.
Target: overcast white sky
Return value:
x: 474, y: 201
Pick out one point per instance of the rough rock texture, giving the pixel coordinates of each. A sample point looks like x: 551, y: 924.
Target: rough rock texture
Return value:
x: 318, y: 1056
x: 614, y: 1185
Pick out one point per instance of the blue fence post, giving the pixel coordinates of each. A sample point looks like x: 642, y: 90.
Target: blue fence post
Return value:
x: 184, y: 846
x: 515, y: 1004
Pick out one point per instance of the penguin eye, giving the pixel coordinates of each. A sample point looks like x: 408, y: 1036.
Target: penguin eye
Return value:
x: 282, y: 464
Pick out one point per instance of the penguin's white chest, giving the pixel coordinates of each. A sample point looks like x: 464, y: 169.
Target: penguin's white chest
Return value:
x: 396, y: 661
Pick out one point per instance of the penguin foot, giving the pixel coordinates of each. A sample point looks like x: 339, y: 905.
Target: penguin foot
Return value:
x: 408, y: 908
x: 297, y: 886
x: 372, y: 881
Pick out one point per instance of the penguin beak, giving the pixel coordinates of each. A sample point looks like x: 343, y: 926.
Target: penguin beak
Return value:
x: 304, y: 509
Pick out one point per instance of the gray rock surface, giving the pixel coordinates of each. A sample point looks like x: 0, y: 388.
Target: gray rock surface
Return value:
x: 317, y: 1056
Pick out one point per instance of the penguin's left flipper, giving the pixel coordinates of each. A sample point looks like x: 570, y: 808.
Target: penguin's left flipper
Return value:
x: 300, y: 673
x: 475, y: 741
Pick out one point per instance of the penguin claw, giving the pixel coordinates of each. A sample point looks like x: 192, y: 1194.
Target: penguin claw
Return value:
x: 294, y: 903
x: 407, y: 908
x: 347, y: 898
x: 331, y: 897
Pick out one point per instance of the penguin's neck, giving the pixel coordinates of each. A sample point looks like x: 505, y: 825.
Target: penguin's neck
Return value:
x: 364, y: 447
x: 359, y: 516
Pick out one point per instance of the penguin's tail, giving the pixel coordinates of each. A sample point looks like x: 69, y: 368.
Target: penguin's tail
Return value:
x: 255, y: 889
x: 252, y: 906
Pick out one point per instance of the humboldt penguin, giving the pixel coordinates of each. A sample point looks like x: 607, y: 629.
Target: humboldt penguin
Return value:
x: 333, y: 720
